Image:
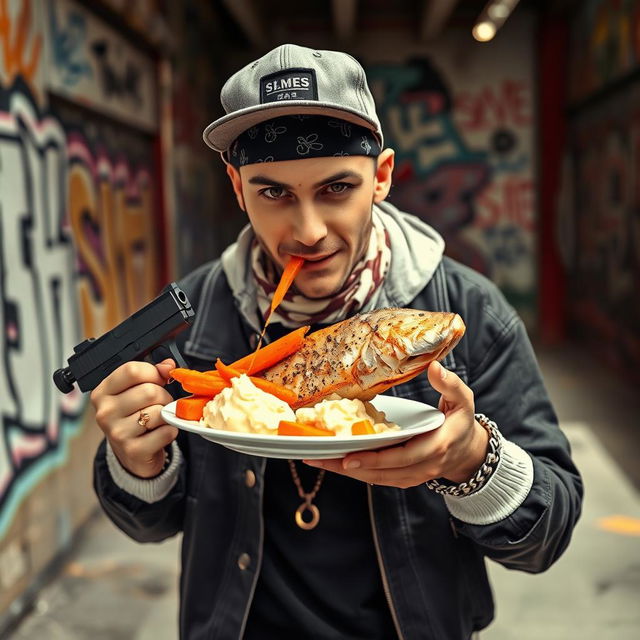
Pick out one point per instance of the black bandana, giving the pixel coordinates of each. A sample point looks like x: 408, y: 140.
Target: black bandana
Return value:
x: 299, y: 137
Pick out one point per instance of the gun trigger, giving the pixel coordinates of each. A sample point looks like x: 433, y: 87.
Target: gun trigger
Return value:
x: 176, y: 355
x: 167, y: 350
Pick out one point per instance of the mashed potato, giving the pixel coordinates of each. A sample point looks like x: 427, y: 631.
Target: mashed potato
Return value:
x: 338, y: 414
x: 245, y: 408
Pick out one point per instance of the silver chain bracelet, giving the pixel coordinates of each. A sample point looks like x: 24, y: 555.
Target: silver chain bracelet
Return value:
x: 480, y: 477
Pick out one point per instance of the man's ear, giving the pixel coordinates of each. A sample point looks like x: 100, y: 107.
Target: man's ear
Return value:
x: 236, y: 183
x: 384, y: 175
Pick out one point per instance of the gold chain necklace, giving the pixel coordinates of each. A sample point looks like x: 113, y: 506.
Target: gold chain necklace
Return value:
x: 307, y: 505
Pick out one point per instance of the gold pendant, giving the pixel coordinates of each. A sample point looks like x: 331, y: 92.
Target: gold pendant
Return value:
x: 315, y: 516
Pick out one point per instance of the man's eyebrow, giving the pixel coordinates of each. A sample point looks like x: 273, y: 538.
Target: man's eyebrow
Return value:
x: 338, y: 176
x: 269, y: 182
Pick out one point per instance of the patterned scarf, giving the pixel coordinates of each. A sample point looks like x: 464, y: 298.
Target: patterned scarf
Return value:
x: 362, y: 283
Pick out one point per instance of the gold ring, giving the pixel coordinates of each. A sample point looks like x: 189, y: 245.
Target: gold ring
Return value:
x: 143, y: 418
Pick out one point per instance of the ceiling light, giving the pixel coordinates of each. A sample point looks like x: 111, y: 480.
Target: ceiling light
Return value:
x: 492, y: 18
x: 498, y: 11
x: 484, y: 31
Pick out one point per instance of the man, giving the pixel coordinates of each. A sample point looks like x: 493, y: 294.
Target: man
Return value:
x: 399, y: 548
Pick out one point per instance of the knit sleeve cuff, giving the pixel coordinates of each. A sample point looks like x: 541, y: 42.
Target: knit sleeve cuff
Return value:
x: 503, y: 493
x: 148, y: 490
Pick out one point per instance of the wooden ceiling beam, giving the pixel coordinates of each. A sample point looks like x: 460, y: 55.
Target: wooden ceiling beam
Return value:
x: 435, y: 14
x: 245, y: 13
x: 344, y: 18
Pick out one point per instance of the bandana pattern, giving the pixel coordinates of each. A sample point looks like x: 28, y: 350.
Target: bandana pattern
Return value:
x: 299, y: 137
x: 363, y: 282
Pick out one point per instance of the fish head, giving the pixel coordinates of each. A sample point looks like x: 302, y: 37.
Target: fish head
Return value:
x: 403, y: 342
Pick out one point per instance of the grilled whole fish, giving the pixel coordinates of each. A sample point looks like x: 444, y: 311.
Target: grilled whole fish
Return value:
x: 366, y: 354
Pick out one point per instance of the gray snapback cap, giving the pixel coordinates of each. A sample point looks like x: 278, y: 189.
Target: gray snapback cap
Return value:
x: 293, y: 80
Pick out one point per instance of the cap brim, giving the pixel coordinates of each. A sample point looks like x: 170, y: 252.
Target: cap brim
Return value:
x: 222, y: 132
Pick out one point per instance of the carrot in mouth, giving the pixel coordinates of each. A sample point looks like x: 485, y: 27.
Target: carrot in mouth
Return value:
x: 291, y: 270
x: 289, y: 274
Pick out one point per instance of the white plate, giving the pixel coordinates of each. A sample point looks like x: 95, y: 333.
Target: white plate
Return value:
x: 413, y: 418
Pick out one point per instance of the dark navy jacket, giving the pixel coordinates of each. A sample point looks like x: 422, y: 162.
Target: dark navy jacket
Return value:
x: 432, y: 564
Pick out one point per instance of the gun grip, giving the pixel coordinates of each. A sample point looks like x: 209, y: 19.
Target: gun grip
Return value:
x: 168, y: 350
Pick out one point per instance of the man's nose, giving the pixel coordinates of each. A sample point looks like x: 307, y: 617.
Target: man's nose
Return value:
x: 309, y: 227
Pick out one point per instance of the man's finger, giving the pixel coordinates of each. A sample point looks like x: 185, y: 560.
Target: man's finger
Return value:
x: 128, y: 375
x: 160, y: 437
x: 141, y: 397
x: 414, y: 451
x: 165, y: 366
x: 402, y: 477
x: 453, y: 390
x: 145, y: 447
x: 146, y: 419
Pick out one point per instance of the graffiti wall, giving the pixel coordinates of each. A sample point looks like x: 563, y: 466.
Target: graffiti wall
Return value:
x: 600, y: 213
x: 463, y: 135
x: 92, y: 64
x: 112, y: 207
x: 605, y: 45
x: 78, y: 252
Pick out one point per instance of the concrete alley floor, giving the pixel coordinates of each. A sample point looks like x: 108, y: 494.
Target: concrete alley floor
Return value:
x: 113, y: 588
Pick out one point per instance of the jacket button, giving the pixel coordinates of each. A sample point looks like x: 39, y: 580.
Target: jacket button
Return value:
x: 253, y: 340
x: 249, y: 478
x: 244, y: 560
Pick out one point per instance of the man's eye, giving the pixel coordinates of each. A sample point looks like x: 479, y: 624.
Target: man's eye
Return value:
x: 339, y: 187
x: 273, y: 193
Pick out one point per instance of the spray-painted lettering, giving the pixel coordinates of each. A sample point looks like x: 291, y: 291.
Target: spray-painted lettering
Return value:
x: 37, y: 290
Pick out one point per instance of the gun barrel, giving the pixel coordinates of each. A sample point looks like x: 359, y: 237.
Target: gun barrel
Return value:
x: 64, y: 379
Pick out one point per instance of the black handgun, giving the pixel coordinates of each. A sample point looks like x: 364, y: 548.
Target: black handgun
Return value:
x: 147, y: 332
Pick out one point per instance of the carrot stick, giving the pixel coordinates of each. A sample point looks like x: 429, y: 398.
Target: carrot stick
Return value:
x: 272, y: 353
x: 288, y: 428
x: 276, y: 390
x: 289, y: 274
x: 201, y: 383
x: 362, y: 428
x: 197, y: 382
x: 191, y: 408
x: 227, y: 371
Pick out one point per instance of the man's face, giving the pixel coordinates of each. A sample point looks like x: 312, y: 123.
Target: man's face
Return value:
x: 316, y: 208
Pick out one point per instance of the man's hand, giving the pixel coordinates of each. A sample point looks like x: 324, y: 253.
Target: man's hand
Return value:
x: 119, y: 399
x: 454, y: 451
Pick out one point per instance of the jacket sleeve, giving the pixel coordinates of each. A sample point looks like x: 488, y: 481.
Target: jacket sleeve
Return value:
x: 140, y: 520
x: 161, y: 516
x: 509, y: 389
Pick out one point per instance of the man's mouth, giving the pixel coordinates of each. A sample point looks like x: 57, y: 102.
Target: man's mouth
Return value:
x: 317, y: 261
x: 318, y: 257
